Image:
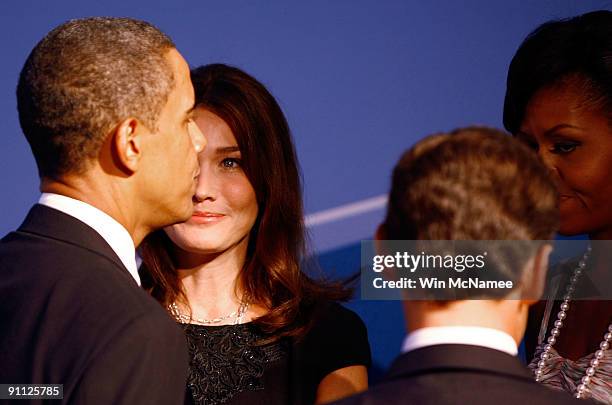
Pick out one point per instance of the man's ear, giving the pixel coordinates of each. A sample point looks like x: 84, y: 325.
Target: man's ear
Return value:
x: 534, y: 276
x: 126, y: 145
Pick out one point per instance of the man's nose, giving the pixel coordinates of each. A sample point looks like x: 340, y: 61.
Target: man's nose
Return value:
x: 197, y: 137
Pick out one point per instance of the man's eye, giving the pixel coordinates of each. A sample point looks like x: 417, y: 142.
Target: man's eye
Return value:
x: 564, y: 147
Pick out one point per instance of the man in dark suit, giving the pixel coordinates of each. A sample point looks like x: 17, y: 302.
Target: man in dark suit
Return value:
x: 105, y: 104
x: 472, y: 184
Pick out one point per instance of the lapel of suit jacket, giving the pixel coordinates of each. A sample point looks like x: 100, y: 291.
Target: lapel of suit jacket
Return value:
x: 455, y: 357
x: 49, y: 222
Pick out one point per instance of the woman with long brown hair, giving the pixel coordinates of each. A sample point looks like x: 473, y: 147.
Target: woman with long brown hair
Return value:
x: 259, y: 329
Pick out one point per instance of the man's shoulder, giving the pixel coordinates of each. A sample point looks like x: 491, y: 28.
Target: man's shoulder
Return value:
x: 28, y: 257
x: 446, y: 388
x: 71, y: 278
x: 51, y: 231
x: 20, y: 247
x: 79, y: 304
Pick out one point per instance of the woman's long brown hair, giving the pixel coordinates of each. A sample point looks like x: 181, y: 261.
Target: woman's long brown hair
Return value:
x: 271, y: 276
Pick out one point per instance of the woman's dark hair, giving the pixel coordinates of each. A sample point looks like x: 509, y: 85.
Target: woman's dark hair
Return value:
x: 271, y: 276
x: 577, y: 49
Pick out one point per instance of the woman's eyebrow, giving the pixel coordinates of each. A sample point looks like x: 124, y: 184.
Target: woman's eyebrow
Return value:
x: 227, y: 149
x: 551, y: 131
x: 548, y: 133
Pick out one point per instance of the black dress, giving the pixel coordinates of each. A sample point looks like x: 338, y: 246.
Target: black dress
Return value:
x: 228, y: 366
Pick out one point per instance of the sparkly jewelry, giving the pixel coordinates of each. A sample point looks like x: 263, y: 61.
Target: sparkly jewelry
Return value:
x: 556, y: 330
x: 182, y: 318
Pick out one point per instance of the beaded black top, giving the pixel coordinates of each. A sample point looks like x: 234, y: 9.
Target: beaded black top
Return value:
x: 230, y: 365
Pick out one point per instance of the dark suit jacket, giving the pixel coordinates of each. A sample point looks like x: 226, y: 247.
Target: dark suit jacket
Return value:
x: 71, y: 314
x: 459, y: 374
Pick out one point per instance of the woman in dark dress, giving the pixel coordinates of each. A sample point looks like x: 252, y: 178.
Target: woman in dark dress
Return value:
x: 260, y: 331
x: 559, y: 101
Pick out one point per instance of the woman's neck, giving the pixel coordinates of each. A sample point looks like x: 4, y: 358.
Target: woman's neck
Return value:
x: 600, y: 267
x: 211, y: 281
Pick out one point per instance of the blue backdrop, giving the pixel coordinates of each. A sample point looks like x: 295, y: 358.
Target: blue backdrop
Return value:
x: 360, y: 81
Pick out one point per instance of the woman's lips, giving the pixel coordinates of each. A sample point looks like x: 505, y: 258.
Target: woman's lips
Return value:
x: 206, y: 217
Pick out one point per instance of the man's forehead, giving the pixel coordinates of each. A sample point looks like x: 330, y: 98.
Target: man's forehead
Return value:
x: 179, y: 66
x: 183, y: 88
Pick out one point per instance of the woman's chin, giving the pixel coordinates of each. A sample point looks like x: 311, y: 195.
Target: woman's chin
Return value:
x: 573, y: 220
x: 572, y: 229
x: 204, y: 248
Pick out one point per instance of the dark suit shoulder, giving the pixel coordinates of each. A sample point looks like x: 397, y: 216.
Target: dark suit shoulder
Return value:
x: 459, y: 374
x: 454, y: 388
x: 43, y: 265
x: 73, y: 283
x: 64, y: 304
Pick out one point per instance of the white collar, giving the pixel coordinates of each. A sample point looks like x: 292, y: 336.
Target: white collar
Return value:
x: 117, y: 237
x: 462, y: 335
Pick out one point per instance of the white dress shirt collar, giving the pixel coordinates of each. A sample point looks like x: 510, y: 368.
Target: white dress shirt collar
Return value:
x: 117, y: 237
x: 462, y: 335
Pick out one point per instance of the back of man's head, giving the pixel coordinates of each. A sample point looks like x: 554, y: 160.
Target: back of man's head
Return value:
x: 479, y: 184
x: 82, y: 79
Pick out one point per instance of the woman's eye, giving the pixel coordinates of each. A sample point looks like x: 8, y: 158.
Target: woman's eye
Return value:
x: 230, y: 163
x: 564, y: 147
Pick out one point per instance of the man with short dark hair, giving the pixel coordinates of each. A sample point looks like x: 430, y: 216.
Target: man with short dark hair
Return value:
x: 474, y: 184
x: 105, y: 104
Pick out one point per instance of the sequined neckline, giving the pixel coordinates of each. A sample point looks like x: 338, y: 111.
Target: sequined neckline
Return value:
x: 213, y: 327
x: 225, y: 360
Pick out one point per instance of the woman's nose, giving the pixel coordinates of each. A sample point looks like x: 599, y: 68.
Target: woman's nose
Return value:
x: 207, y: 185
x: 551, y: 166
